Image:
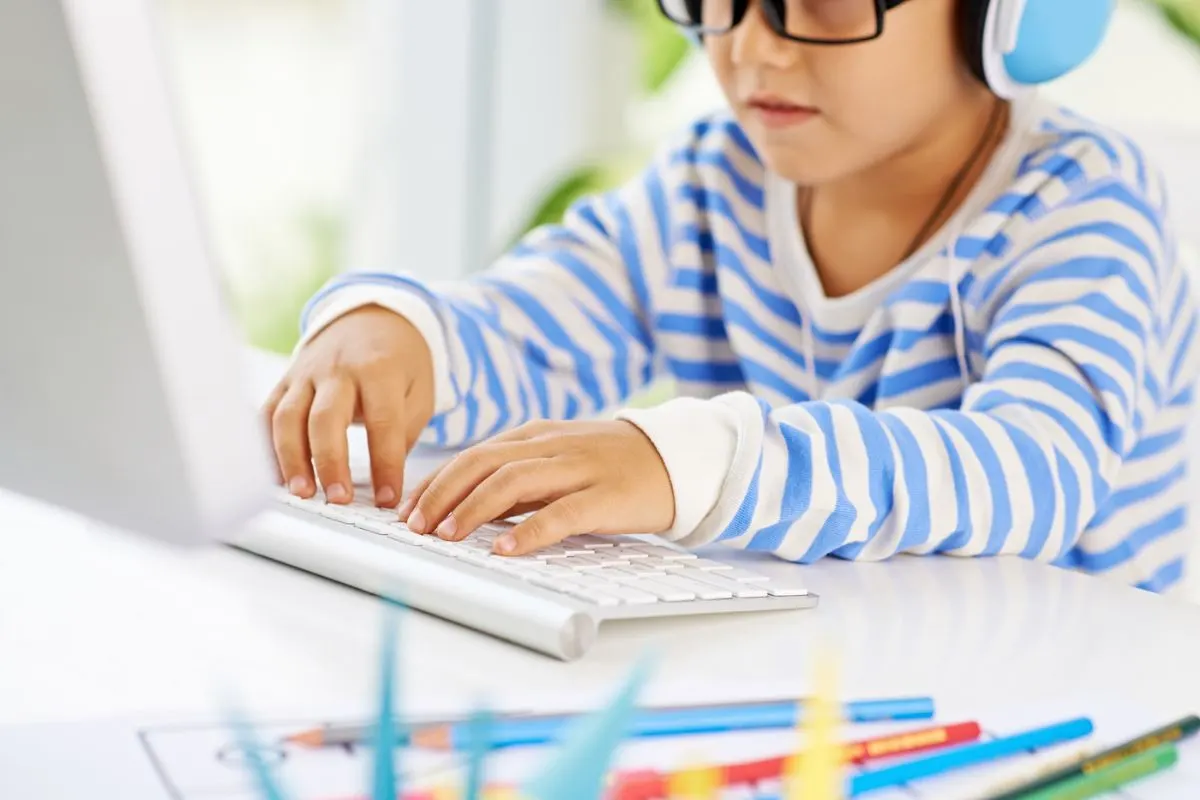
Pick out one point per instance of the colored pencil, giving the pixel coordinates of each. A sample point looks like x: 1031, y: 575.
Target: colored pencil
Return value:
x: 969, y: 755
x: 816, y: 773
x: 1043, y: 763
x: 1115, y: 775
x: 532, y: 729
x: 1174, y: 732
x: 650, y: 784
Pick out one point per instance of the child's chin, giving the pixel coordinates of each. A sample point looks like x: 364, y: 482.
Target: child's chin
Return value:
x: 805, y: 168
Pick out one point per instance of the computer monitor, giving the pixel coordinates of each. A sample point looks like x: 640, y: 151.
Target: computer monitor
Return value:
x: 120, y: 394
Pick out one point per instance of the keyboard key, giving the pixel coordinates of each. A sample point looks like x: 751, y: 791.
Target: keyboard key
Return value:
x: 732, y: 572
x: 554, y: 551
x: 403, y: 535
x: 555, y: 582
x: 737, y: 588
x: 665, y: 553
x: 582, y: 561
x: 338, y: 513
x: 452, y: 549
x: 658, y: 563
x: 535, y: 567
x: 594, y: 542
x: 702, y: 589
x: 287, y: 498
x: 659, y: 587
x: 473, y: 556
x: 599, y: 596
x: 476, y: 543
x: 639, y: 568
x: 376, y: 526
x: 372, y: 512
x: 614, y: 555
x: 628, y: 594
x: 784, y: 589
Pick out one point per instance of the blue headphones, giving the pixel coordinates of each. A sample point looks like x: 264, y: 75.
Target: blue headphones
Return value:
x: 1013, y: 44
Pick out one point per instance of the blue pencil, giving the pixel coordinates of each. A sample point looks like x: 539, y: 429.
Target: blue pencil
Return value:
x: 962, y: 757
x: 533, y: 730
x: 969, y: 755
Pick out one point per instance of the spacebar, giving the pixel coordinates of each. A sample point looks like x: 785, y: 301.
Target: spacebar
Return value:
x: 434, y: 584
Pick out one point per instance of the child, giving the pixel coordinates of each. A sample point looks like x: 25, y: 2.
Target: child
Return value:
x: 907, y: 307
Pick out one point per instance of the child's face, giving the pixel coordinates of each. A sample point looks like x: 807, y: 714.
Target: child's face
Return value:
x: 819, y: 113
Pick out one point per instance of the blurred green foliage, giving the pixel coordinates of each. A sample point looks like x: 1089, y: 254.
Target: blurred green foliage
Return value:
x: 1184, y: 15
x: 268, y: 311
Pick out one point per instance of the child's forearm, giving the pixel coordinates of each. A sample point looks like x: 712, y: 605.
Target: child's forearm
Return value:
x: 1022, y: 468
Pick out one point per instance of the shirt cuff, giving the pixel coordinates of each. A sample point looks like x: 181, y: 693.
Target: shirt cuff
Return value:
x: 414, y: 308
x: 697, y: 441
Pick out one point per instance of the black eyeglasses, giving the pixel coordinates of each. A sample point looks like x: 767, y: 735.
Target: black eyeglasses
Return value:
x: 808, y: 21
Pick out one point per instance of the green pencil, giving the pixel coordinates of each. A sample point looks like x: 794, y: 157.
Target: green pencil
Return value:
x: 1114, y: 776
x: 1176, y: 731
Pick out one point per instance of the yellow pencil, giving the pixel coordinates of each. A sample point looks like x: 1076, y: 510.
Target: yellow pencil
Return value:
x: 817, y: 771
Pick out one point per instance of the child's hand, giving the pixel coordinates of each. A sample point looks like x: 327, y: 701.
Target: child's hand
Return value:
x: 585, y: 477
x: 371, y: 366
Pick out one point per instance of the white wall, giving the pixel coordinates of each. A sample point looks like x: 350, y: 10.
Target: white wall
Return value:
x: 263, y: 91
x: 319, y: 106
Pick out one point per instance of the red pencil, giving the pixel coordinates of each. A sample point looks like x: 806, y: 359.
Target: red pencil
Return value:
x: 649, y: 784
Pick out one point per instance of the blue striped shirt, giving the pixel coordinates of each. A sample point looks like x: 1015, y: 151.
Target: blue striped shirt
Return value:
x: 1022, y: 385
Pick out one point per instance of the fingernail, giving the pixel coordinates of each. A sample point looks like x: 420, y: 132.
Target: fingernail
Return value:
x: 385, y: 496
x: 416, y: 521
x: 448, y: 528
x: 336, y: 492
x: 298, y: 486
x: 506, y: 543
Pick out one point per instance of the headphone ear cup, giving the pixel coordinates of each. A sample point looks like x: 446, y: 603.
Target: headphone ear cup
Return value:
x: 1057, y: 36
x: 972, y: 22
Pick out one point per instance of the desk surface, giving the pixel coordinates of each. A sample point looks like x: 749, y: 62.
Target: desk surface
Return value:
x: 95, y: 625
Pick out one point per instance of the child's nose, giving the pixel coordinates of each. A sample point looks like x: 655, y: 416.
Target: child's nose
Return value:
x: 754, y: 42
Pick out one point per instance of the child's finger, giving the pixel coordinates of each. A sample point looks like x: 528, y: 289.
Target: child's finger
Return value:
x: 383, y: 415
x: 465, y: 471
x: 289, y: 436
x: 406, y: 507
x: 570, y: 515
x: 515, y: 485
x: 328, y: 421
x: 268, y: 416
x: 528, y: 430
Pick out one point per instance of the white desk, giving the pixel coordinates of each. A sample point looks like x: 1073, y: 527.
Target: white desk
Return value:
x: 95, y: 625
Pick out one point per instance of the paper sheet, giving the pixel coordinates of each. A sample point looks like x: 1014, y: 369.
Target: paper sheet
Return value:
x: 202, y: 762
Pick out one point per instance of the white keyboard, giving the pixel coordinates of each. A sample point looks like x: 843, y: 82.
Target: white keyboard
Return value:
x: 551, y: 601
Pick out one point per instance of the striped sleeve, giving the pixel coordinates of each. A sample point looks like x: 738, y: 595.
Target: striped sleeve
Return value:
x: 558, y: 328
x: 1025, y: 461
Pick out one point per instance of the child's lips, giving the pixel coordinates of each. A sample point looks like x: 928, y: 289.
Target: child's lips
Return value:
x: 778, y: 113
